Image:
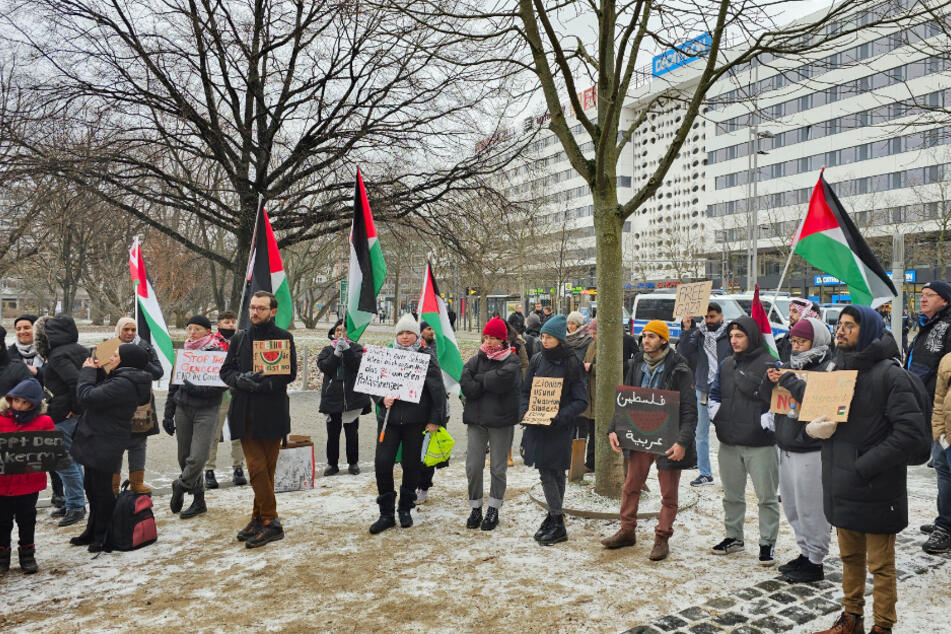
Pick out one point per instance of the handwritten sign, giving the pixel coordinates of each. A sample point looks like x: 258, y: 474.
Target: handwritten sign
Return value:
x: 781, y: 401
x: 647, y: 419
x: 272, y: 356
x: 828, y: 394
x: 390, y: 372
x: 104, y: 352
x: 544, y: 401
x: 692, y: 299
x: 32, y: 452
x: 200, y: 367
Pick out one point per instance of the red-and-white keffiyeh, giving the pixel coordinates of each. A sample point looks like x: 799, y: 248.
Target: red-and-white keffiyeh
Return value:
x: 804, y: 308
x: 209, y: 340
x: 496, y: 353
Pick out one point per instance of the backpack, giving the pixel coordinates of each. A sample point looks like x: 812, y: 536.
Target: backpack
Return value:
x: 922, y: 451
x: 133, y: 525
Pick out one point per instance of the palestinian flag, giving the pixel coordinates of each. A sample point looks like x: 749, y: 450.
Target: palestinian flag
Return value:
x: 828, y: 240
x: 266, y: 273
x: 149, y: 323
x: 758, y: 313
x: 432, y: 309
x: 367, y: 268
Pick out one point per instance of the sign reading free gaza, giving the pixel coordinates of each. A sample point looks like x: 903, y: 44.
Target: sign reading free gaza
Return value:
x: 681, y: 55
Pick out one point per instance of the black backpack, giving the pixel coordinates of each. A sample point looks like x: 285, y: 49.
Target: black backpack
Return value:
x: 922, y: 452
x: 133, y: 525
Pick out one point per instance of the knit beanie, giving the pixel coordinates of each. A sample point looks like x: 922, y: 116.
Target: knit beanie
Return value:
x: 820, y: 332
x: 496, y: 328
x: 659, y: 328
x: 943, y: 289
x: 423, y: 325
x: 30, y: 318
x: 557, y: 327
x: 593, y: 326
x: 199, y: 320
x: 133, y: 356
x: 123, y: 322
x: 576, y: 317
x: 802, y: 329
x: 29, y: 390
x: 407, y: 324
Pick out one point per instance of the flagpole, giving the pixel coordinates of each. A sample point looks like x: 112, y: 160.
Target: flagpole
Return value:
x: 254, y: 237
x: 792, y: 251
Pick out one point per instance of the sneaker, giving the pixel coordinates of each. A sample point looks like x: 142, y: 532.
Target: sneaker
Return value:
x: 73, y: 517
x: 766, y: 555
x: 238, y: 477
x: 807, y: 572
x: 270, y: 532
x: 927, y: 529
x: 331, y: 470
x: 938, y: 542
x: 789, y: 566
x: 729, y: 545
x: 249, y: 531
x: 701, y: 481
x: 475, y: 518
x: 421, y: 495
x: 354, y: 469
x: 211, y: 482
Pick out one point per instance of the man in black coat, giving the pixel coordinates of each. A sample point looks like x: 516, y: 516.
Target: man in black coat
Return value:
x: 864, y: 466
x: 259, y: 414
x: 661, y: 368
x: 340, y: 363
x: 517, y: 320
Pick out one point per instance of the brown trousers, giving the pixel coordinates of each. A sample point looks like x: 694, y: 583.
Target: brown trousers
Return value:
x: 261, y: 456
x: 855, y: 549
x: 637, y: 465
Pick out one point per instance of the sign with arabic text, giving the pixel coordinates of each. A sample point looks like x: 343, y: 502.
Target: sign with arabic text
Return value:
x: 646, y: 419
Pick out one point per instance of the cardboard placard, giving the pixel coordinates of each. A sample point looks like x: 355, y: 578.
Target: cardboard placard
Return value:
x: 648, y: 419
x: 544, y: 401
x: 32, y: 452
x: 272, y: 356
x: 828, y: 394
x: 388, y: 372
x: 692, y: 299
x: 781, y: 401
x: 104, y: 351
x: 295, y: 469
x: 201, y: 367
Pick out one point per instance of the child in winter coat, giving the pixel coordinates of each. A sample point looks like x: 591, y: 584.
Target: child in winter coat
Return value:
x: 21, y: 410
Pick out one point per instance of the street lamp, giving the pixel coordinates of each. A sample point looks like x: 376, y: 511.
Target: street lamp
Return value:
x: 752, y: 271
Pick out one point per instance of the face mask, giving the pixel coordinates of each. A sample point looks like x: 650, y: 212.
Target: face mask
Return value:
x: 23, y: 417
x: 227, y: 333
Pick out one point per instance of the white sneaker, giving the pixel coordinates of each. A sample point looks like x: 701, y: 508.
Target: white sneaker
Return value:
x: 421, y: 496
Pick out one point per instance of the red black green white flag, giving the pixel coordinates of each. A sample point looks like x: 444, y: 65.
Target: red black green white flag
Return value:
x: 433, y: 310
x: 266, y: 273
x: 149, y: 322
x: 758, y: 313
x: 829, y: 240
x: 367, y: 268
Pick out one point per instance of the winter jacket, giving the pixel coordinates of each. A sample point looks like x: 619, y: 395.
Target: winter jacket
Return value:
x: 740, y: 392
x: 549, y: 446
x: 591, y: 356
x: 109, y: 401
x: 22, y: 483
x: 516, y: 322
x: 784, y: 349
x: 677, y: 377
x: 12, y: 372
x: 57, y: 341
x: 491, y: 390
x: 340, y: 375
x: 432, y: 406
x: 864, y: 462
x: 268, y: 406
x: 194, y: 396
x: 941, y: 418
x: 929, y: 346
x: 15, y: 355
x: 791, y: 432
x: 155, y: 366
x: 690, y: 347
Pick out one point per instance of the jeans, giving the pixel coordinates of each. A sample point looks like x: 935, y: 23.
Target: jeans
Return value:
x: 703, y: 438
x: 72, y: 477
x: 942, y: 467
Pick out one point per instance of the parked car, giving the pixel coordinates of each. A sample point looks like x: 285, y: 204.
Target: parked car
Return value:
x: 778, y: 314
x: 660, y: 305
x: 830, y: 314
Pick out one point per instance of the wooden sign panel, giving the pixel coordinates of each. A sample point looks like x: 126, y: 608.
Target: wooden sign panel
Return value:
x: 692, y: 299
x: 781, y: 401
x: 272, y: 356
x: 544, y: 401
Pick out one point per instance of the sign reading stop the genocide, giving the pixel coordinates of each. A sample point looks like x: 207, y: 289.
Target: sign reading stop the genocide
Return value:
x: 200, y: 367
x: 388, y: 372
x: 272, y: 356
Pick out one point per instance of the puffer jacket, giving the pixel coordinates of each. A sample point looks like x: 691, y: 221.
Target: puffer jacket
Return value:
x: 12, y: 372
x: 57, y: 340
x: 491, y: 390
x: 791, y: 432
x: 23, y: 483
x: 941, y: 418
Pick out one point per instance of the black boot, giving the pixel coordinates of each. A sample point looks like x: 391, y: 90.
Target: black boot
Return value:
x: 4, y: 559
x: 211, y: 482
x: 27, y: 559
x: 84, y: 538
x: 556, y: 534
x: 406, y: 518
x: 387, y: 503
x: 72, y: 517
x: 270, y: 532
x: 197, y: 507
x: 544, y: 528
x: 491, y: 519
x: 178, y: 496
x: 238, y: 478
x: 58, y: 499
x: 475, y: 518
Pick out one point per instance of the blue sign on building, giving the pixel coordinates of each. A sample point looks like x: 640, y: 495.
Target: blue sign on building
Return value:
x: 681, y: 55
x: 911, y: 276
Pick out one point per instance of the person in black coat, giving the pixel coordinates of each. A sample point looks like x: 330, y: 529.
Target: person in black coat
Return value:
x: 23, y: 347
x: 548, y: 447
x: 259, y: 414
x: 864, y: 464
x: 340, y: 363
x: 490, y: 382
x: 516, y: 320
x: 663, y: 369
x: 57, y: 341
x: 109, y: 402
x: 403, y: 424
x: 12, y: 371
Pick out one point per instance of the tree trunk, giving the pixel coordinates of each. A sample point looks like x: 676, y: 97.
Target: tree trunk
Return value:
x: 609, y: 474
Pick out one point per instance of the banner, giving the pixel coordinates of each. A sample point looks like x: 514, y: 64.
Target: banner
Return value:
x: 388, y: 372
x: 647, y: 419
x: 692, y: 299
x: 201, y: 367
x: 32, y: 452
x: 828, y: 394
x: 544, y: 401
x: 272, y: 356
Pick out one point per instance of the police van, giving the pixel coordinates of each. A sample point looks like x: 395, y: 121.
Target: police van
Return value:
x: 778, y: 314
x: 660, y: 305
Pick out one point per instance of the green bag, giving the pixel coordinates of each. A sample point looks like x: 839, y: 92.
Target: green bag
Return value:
x: 436, y: 447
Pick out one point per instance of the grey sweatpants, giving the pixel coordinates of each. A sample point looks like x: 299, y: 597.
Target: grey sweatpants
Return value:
x: 762, y: 465
x: 800, y: 483
x: 195, y: 430
x: 553, y: 485
x: 237, y: 453
x: 499, y: 441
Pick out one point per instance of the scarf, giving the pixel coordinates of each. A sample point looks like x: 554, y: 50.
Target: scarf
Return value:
x: 710, y: 349
x: 579, y: 339
x: 563, y: 354
x: 808, y: 358
x: 201, y: 344
x: 29, y: 355
x: 226, y: 333
x: 500, y: 352
x: 22, y: 418
x: 412, y: 348
x: 653, y: 368
x: 804, y: 306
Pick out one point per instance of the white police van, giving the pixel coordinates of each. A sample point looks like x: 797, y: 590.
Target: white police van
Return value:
x: 778, y: 314
x: 660, y: 305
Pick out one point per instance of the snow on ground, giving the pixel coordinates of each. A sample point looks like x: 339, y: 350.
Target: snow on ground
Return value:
x: 330, y: 574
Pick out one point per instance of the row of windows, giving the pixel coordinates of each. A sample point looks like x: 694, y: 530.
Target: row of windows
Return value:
x: 582, y: 190
x: 845, y: 156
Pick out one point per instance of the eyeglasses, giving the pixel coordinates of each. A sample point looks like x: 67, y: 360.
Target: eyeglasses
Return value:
x: 928, y: 295
x: 846, y: 327
x: 259, y: 309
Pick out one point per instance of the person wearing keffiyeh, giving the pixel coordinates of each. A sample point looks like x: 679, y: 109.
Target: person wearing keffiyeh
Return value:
x: 799, y: 308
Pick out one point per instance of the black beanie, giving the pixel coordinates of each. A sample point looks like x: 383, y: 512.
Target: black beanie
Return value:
x: 943, y: 289
x: 199, y: 320
x: 30, y: 318
x: 133, y: 356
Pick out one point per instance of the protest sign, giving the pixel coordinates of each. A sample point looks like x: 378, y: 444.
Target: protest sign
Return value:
x: 390, y: 372
x: 647, y: 419
x: 104, y: 351
x: 781, y: 401
x: 295, y: 469
x: 828, y: 394
x: 199, y: 367
x: 544, y: 401
x: 32, y: 452
x: 272, y: 356
x: 692, y: 299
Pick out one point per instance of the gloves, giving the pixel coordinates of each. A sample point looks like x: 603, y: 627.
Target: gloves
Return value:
x: 168, y: 424
x: 249, y: 381
x: 767, y: 421
x: 338, y: 352
x: 821, y: 428
x: 189, y: 387
x: 343, y: 344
